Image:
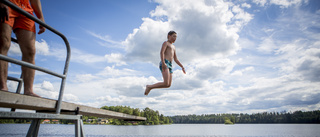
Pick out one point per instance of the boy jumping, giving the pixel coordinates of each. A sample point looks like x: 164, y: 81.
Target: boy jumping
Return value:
x: 167, y: 54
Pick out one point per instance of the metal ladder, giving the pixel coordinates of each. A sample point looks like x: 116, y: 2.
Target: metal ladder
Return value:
x: 37, y: 117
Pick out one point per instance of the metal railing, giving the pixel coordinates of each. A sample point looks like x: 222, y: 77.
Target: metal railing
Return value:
x: 29, y: 65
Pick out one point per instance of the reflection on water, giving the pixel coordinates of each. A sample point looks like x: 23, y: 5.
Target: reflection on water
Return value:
x: 175, y: 130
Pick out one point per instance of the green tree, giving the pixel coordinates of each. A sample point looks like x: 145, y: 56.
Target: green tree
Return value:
x: 227, y: 121
x: 233, y: 119
x: 153, y: 117
x: 155, y: 120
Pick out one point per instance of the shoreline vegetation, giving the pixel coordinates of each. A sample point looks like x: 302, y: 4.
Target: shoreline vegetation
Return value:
x: 297, y: 117
x: 155, y: 118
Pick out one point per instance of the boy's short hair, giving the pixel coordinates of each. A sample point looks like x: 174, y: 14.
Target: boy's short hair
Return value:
x: 171, y: 33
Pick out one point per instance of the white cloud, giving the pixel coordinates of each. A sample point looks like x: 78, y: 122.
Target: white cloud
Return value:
x: 267, y: 46
x: 113, y: 72
x: 144, y: 43
x: 302, y: 61
x: 116, y: 58
x: 108, y: 82
x: 14, y: 49
x: 309, y: 65
x: 105, y: 40
x: 281, y: 3
x: 45, y: 89
x: 287, y: 3
x: 211, y: 69
x: 85, y: 58
x: 202, y: 27
x: 79, y: 56
x: 12, y: 86
x: 246, y: 5
x: 240, y: 72
x: 260, y: 2
x: 42, y: 48
x: 82, y: 78
x: 46, y: 85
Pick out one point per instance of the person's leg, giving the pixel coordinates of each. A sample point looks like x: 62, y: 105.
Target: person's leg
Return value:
x: 5, y: 40
x: 26, y: 40
x: 170, y: 79
x: 167, y: 78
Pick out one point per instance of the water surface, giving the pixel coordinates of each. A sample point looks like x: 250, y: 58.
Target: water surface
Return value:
x: 175, y: 130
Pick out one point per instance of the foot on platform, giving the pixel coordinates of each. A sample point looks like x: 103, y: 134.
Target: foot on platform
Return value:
x: 32, y: 94
x: 5, y: 89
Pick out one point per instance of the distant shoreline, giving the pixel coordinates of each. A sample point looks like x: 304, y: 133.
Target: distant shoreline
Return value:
x: 297, y: 117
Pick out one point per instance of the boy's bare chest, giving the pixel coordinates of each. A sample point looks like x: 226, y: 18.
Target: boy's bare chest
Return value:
x: 170, y: 48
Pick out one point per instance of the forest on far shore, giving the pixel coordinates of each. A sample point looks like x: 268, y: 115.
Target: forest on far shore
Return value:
x: 308, y: 117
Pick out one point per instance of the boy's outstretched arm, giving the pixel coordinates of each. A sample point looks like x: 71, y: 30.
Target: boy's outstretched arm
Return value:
x: 178, y: 62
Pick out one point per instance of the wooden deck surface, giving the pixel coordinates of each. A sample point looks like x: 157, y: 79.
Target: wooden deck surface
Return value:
x: 18, y: 101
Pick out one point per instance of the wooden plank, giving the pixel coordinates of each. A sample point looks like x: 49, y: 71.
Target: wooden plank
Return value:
x: 18, y: 101
x: 13, y: 100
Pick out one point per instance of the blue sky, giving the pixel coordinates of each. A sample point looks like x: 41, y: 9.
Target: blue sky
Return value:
x: 242, y: 56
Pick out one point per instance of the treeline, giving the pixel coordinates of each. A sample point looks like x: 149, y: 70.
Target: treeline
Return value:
x: 309, y: 117
x: 153, y: 117
x: 12, y: 121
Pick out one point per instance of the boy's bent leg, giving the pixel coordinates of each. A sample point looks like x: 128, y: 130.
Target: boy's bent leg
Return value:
x: 26, y: 40
x: 166, y: 75
x: 170, y: 79
x: 5, y: 40
x: 165, y: 84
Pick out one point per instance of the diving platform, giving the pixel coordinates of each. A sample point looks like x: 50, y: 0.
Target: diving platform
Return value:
x: 19, y: 101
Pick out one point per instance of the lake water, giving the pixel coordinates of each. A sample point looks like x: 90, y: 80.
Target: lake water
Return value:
x: 175, y: 130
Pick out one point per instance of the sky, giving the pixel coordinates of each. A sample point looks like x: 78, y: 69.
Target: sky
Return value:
x: 241, y: 56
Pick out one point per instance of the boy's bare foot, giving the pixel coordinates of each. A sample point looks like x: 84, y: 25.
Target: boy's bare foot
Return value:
x: 32, y: 94
x: 147, y: 91
x: 5, y: 89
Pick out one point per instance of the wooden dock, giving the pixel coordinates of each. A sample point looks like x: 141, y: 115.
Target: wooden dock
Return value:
x: 18, y: 101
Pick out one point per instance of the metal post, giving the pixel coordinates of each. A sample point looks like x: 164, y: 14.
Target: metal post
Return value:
x: 77, y: 128
x: 19, y: 85
x: 18, y: 91
x: 82, y: 132
x: 31, y: 128
x: 58, y: 107
x: 37, y: 117
x: 34, y: 128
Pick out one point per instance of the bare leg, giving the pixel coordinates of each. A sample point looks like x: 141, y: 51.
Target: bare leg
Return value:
x: 5, y: 40
x: 167, y: 79
x: 26, y: 41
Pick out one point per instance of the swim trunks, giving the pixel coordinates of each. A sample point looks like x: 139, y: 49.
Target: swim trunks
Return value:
x: 19, y: 21
x: 168, y: 63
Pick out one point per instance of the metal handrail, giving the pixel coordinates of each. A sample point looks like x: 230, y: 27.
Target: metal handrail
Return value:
x: 25, y: 64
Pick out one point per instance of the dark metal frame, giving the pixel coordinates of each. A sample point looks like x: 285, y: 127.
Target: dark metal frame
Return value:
x: 37, y: 117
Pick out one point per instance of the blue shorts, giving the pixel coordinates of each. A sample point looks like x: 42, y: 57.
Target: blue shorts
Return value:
x: 168, y: 63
